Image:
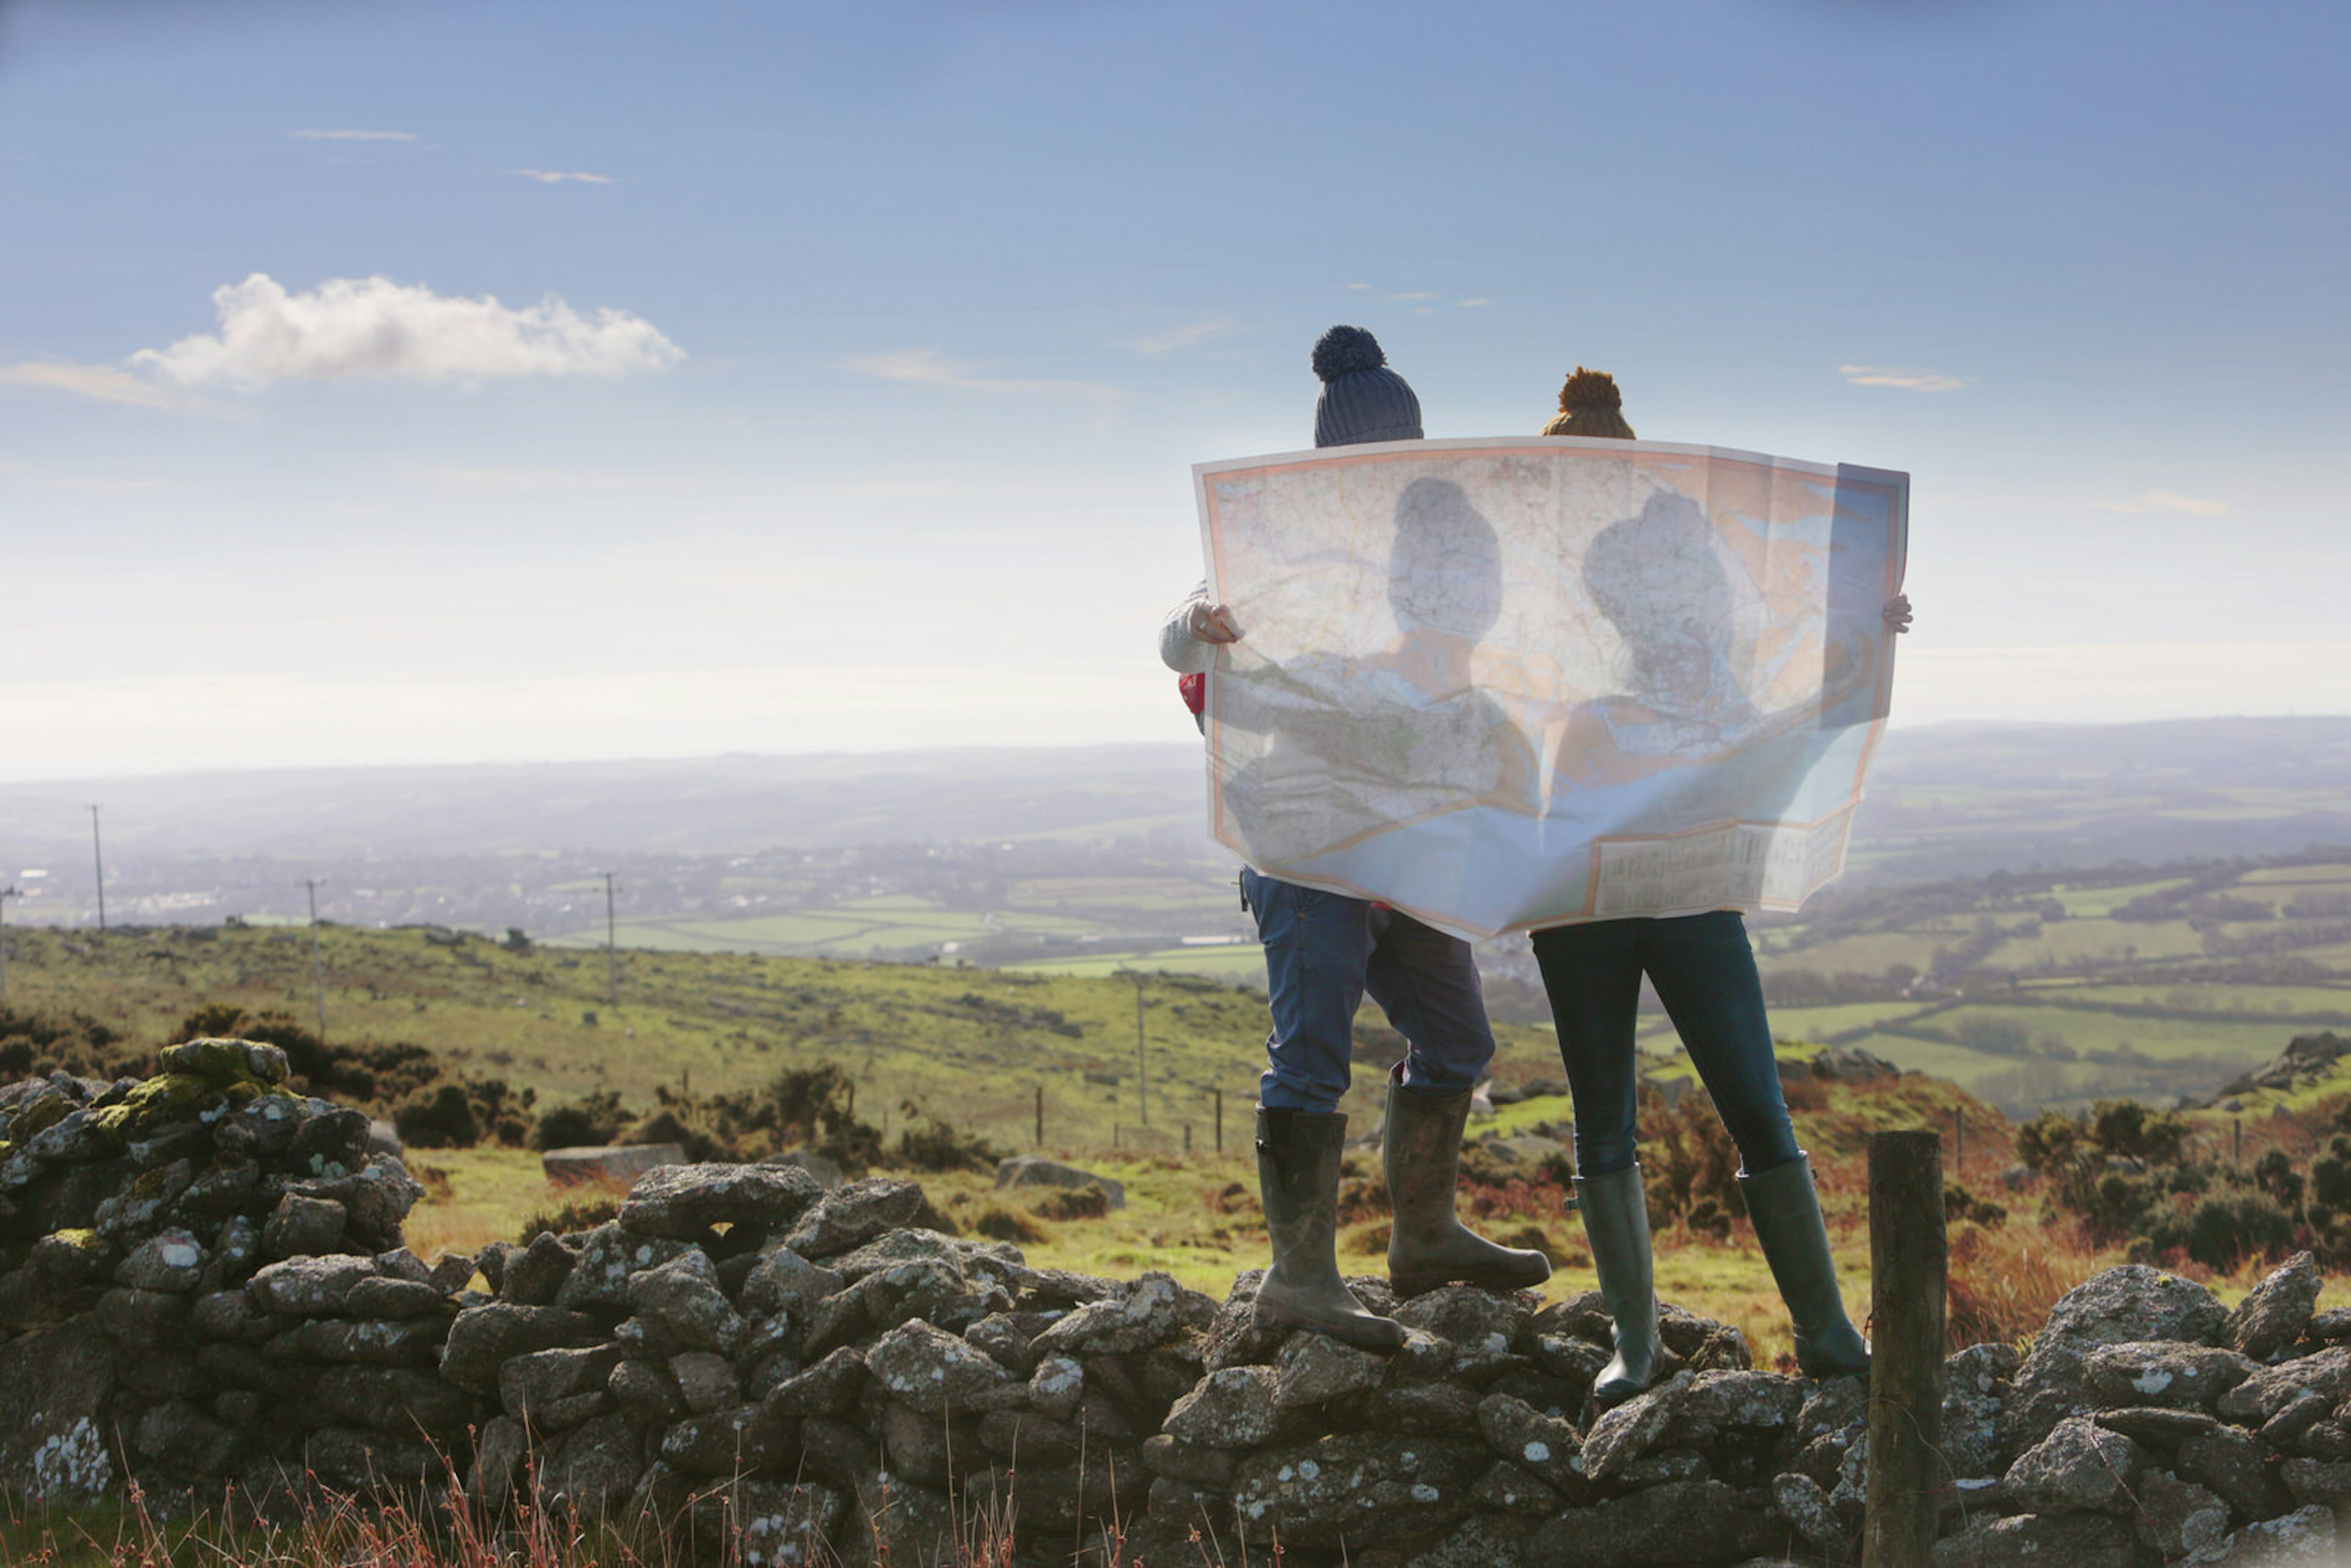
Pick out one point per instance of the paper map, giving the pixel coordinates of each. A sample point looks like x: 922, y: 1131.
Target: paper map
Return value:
x: 1508, y: 684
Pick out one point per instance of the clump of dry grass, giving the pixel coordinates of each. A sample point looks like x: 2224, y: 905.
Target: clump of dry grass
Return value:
x: 324, y: 1526
x: 2003, y: 1281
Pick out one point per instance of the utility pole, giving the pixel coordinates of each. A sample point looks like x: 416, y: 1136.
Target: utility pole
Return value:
x: 1142, y: 1068
x: 317, y: 963
x: 6, y: 894
x: 612, y: 948
x: 97, y: 854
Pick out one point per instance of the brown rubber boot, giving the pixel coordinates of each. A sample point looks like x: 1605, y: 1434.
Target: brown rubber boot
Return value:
x: 1297, y: 1182
x: 1428, y: 1246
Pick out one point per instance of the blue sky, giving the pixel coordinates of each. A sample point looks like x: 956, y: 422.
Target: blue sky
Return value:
x: 887, y: 335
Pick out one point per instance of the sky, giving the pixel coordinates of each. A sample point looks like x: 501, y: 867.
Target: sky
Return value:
x: 407, y: 382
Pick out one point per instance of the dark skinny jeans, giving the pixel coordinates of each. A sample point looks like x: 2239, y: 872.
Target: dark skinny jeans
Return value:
x: 1705, y: 973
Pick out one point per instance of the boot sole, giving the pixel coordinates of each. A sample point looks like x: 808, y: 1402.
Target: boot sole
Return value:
x: 1419, y: 1282
x: 1370, y: 1337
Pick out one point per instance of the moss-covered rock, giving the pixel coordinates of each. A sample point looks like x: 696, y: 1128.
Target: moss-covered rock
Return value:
x: 39, y: 1114
x: 227, y: 1061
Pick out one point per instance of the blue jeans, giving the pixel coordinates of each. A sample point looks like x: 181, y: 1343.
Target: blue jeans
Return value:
x: 1705, y: 973
x: 1322, y: 952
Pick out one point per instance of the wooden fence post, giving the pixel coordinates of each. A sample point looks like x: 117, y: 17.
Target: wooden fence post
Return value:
x: 1040, y: 1115
x: 1221, y: 1120
x: 1908, y: 1275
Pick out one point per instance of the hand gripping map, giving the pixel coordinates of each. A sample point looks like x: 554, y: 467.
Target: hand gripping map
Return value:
x: 1508, y: 684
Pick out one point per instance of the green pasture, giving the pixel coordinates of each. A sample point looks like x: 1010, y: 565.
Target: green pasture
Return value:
x: 2298, y: 877
x: 1241, y: 963
x: 2097, y: 903
x: 2074, y: 943
x: 2195, y: 998
x: 1817, y: 1023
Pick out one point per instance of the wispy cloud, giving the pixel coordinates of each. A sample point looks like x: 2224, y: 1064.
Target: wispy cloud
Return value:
x: 1414, y: 293
x: 517, y: 479
x: 1907, y: 380
x: 1184, y: 337
x: 557, y: 176
x: 103, y: 383
x: 1471, y: 303
x: 2168, y: 501
x: 928, y: 367
x: 352, y: 135
x: 1359, y: 286
x: 351, y: 328
x: 14, y: 471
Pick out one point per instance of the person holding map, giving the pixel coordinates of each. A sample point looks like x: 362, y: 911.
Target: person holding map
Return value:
x: 1325, y: 950
x: 1701, y: 965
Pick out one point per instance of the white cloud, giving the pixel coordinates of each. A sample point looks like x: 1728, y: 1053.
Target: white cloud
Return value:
x: 1908, y: 381
x: 352, y: 135
x: 1184, y: 337
x: 928, y: 367
x: 103, y: 383
x: 349, y: 328
x: 1471, y: 303
x: 2168, y: 501
x: 556, y: 177
x: 1414, y: 293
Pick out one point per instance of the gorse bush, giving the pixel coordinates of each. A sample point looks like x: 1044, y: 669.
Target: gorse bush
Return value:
x: 2123, y: 1171
x: 1688, y: 1163
x: 928, y: 1144
x: 598, y: 1119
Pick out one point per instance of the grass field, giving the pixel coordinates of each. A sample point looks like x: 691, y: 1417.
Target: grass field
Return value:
x: 973, y: 1045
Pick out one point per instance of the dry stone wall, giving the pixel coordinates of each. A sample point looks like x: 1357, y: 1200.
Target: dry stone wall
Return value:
x: 202, y: 1283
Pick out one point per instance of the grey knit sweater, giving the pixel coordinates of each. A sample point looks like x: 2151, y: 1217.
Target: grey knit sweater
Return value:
x: 1178, y: 649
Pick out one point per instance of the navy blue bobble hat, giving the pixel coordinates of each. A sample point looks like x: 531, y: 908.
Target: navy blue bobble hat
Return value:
x: 1362, y: 399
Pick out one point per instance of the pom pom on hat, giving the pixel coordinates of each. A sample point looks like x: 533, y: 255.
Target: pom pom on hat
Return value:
x: 1590, y: 389
x: 1590, y: 405
x: 1344, y: 350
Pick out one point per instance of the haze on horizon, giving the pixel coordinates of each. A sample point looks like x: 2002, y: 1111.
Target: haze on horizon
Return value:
x: 438, y: 382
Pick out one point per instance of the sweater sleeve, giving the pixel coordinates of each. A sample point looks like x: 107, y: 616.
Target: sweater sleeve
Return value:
x: 1178, y: 649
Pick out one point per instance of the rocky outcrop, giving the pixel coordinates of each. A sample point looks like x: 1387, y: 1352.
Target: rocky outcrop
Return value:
x: 754, y: 1362
x: 2305, y: 1059
x: 1036, y: 1170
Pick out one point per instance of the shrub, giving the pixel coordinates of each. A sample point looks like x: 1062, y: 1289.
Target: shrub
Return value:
x: 2138, y: 1131
x: 2330, y: 1175
x: 998, y: 1223
x: 2049, y: 1142
x: 1088, y: 1202
x: 444, y: 1119
x: 595, y: 1120
x: 1688, y: 1159
x: 1959, y: 1204
x: 928, y: 1144
x: 2227, y: 1227
x: 2275, y: 1174
x: 578, y: 1214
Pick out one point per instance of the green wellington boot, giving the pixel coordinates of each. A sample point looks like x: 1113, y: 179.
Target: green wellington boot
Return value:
x: 1786, y: 1213
x: 1428, y: 1246
x: 1297, y: 1181
x: 1617, y: 1223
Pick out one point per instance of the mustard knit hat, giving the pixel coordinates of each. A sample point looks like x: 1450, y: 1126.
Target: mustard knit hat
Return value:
x: 1590, y: 404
